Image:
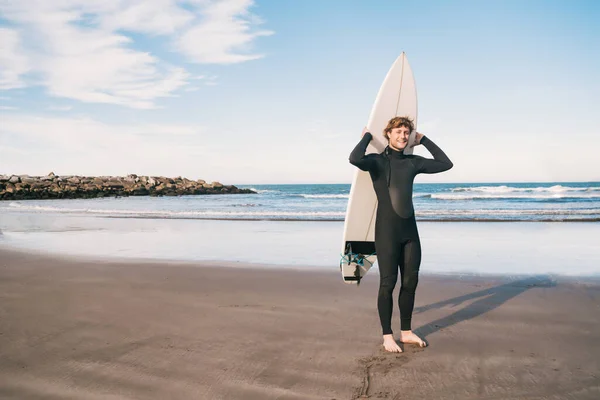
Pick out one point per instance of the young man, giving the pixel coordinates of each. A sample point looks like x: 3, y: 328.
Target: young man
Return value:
x: 396, y: 235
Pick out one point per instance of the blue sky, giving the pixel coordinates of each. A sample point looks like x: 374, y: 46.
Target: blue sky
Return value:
x: 247, y: 91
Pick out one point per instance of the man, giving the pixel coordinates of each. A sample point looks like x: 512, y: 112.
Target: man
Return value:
x: 396, y: 236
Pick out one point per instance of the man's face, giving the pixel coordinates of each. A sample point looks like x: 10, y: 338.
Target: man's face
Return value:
x: 399, y: 138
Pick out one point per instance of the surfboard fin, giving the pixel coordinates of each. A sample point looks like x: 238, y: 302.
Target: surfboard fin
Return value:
x: 353, y: 265
x: 357, y: 275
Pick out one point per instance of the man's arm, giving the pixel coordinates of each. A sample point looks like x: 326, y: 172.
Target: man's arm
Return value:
x: 440, y: 162
x: 358, y: 157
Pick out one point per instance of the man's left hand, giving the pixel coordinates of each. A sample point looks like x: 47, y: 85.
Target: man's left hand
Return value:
x: 418, y: 137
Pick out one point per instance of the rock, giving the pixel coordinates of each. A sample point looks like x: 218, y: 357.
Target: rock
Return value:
x: 28, y: 179
x: 40, y: 185
x: 22, y: 187
x: 114, y: 184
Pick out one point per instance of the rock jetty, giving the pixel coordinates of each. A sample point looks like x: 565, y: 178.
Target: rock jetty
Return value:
x: 51, y: 186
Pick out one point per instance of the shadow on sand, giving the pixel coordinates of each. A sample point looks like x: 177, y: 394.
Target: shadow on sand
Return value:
x: 488, y: 300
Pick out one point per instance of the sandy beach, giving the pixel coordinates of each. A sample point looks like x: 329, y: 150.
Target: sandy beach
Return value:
x: 72, y: 328
x: 180, y: 181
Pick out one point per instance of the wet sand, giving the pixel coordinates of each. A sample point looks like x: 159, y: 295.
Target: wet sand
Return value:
x: 87, y: 329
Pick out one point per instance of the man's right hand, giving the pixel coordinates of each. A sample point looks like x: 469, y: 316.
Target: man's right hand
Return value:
x: 365, y: 130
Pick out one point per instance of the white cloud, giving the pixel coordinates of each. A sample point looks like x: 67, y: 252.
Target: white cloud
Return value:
x: 206, y: 81
x: 225, y: 34
x: 13, y: 63
x: 60, y: 108
x: 83, y: 131
x: 87, y: 146
x: 81, y: 49
x: 211, y: 81
x: 8, y: 108
x: 147, y: 16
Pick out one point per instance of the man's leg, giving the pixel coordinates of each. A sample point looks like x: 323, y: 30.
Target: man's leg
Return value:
x: 387, y: 258
x: 409, y: 269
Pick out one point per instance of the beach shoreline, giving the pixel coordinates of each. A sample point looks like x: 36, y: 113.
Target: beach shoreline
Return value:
x: 40, y: 254
x: 453, y: 248
x: 74, y: 327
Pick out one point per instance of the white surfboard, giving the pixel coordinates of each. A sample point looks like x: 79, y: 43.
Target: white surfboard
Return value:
x: 397, y: 97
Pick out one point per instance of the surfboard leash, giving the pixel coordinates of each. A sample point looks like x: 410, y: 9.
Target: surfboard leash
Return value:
x: 359, y: 261
x: 357, y: 258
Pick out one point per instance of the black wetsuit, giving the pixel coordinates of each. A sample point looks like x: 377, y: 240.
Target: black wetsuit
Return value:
x: 396, y: 236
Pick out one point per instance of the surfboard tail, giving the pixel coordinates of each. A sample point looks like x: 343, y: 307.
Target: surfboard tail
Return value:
x: 358, y: 258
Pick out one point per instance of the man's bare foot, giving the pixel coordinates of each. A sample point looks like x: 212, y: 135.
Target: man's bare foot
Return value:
x: 410, y: 337
x: 389, y: 343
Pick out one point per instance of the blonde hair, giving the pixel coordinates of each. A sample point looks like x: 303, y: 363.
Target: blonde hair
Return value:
x: 397, y: 122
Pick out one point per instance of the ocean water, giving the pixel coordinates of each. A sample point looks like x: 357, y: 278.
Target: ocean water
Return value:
x: 536, y: 229
x: 433, y: 202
